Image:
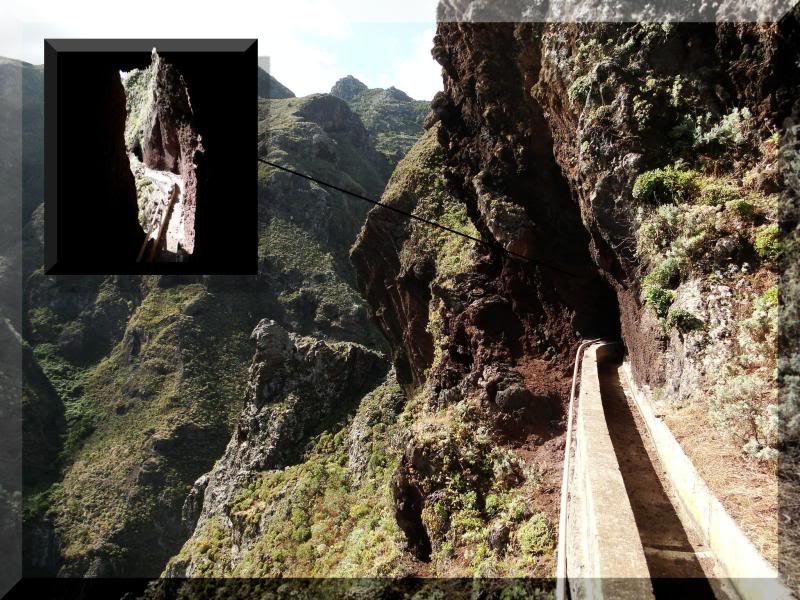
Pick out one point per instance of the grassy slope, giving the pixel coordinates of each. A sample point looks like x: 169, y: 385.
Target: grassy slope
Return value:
x: 314, y: 518
x: 150, y: 371
x: 173, y: 376
x: 306, y: 229
x: 330, y: 517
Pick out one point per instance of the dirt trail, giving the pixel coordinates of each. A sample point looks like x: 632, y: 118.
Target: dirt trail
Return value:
x: 676, y: 557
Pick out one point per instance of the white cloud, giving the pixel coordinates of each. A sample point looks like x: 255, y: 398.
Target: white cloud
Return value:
x: 417, y: 74
x: 267, y: 20
x: 286, y: 32
x: 304, y: 68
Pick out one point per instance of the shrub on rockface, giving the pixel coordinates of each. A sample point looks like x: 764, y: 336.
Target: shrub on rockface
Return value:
x: 746, y: 409
x: 706, y: 225
x: 534, y: 536
x: 666, y: 274
x: 683, y: 320
x: 730, y: 130
x: 477, y: 505
x: 762, y: 325
x: 580, y: 89
x: 658, y: 299
x: 664, y: 185
x: 767, y: 243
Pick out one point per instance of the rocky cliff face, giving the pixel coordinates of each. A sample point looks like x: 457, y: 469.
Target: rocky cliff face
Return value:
x: 475, y: 346
x: 605, y: 96
x: 297, y: 389
x: 554, y: 147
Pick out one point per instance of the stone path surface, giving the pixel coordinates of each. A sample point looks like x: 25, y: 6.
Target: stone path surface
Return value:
x: 164, y: 182
x: 674, y: 551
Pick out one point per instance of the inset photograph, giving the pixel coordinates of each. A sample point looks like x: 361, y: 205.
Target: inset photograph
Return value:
x: 150, y: 164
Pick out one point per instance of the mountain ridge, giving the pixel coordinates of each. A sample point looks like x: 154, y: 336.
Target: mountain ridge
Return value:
x: 393, y: 119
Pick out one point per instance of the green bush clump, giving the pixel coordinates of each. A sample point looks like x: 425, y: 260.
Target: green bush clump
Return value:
x: 731, y: 130
x: 534, y: 536
x: 769, y: 299
x: 745, y: 208
x: 682, y: 320
x: 664, y: 185
x: 715, y: 192
x: 762, y: 325
x: 744, y: 407
x: 642, y: 112
x: 658, y: 231
x: 666, y: 274
x: 768, y: 243
x: 578, y: 92
x: 658, y: 299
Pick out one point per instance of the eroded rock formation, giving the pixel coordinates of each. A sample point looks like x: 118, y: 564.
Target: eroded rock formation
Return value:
x: 297, y: 388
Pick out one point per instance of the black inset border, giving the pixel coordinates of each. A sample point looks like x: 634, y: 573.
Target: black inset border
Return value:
x: 225, y: 68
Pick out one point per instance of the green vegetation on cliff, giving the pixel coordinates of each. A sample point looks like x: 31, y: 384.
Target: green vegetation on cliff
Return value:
x: 719, y: 230
x: 330, y: 515
x: 146, y: 421
x: 150, y: 372
x: 306, y: 229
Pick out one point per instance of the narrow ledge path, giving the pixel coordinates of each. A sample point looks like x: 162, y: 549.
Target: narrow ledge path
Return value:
x: 678, y: 561
x: 167, y: 215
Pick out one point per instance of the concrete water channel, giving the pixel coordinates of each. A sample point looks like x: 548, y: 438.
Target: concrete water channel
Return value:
x: 677, y: 558
x: 637, y: 521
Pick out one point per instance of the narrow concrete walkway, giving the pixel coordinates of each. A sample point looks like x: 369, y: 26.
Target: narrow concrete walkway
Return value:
x: 173, y: 236
x: 679, y: 564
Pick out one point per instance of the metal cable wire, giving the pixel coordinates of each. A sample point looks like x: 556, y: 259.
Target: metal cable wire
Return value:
x: 493, y: 245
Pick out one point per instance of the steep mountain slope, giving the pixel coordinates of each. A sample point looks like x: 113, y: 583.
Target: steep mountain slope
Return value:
x: 393, y: 119
x: 146, y: 375
x: 302, y: 391
x: 269, y: 87
x: 472, y: 490
x: 346, y: 508
x: 306, y: 229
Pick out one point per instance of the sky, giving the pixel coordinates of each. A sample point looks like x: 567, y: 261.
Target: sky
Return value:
x: 311, y: 43
x: 379, y: 54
